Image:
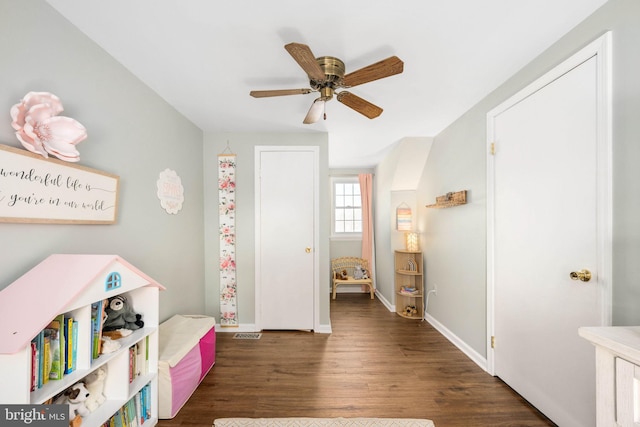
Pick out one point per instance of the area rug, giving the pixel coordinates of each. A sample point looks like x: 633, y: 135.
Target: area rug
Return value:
x: 322, y: 422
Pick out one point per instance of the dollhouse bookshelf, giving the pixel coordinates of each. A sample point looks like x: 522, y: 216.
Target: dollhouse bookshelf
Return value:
x: 68, y: 284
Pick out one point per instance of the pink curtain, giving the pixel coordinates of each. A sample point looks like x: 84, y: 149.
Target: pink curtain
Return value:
x: 366, y: 192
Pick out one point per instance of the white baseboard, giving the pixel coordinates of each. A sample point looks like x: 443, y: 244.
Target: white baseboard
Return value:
x: 462, y: 346
x: 385, y: 302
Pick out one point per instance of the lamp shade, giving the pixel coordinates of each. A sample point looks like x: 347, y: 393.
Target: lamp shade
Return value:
x: 412, y: 241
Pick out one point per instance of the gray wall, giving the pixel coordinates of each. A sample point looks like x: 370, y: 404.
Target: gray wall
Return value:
x: 243, y: 145
x: 132, y: 132
x: 396, y: 180
x: 384, y: 233
x: 455, y: 239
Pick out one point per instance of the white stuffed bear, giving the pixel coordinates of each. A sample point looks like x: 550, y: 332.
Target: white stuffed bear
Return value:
x: 95, y: 384
x: 358, y: 272
x: 75, y: 396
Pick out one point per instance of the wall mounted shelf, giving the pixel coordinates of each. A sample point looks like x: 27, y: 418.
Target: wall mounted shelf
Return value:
x: 449, y: 200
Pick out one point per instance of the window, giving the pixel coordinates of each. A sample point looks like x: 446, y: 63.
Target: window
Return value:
x: 113, y: 281
x: 347, y: 207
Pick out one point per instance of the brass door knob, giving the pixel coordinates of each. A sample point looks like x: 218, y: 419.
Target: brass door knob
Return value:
x: 582, y: 275
x: 307, y: 250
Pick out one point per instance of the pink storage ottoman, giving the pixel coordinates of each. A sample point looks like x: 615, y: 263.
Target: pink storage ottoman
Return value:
x: 187, y: 351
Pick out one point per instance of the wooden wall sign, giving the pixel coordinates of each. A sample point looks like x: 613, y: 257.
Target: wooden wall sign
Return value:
x: 39, y: 190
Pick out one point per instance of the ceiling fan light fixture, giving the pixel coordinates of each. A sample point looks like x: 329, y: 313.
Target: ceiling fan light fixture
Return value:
x: 315, y: 112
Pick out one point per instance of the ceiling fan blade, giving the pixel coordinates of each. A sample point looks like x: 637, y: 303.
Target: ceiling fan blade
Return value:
x: 279, y: 92
x: 385, y: 68
x: 304, y: 57
x: 315, y: 112
x: 358, y: 104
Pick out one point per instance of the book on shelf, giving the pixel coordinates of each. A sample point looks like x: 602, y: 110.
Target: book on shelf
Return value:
x: 142, y: 352
x: 34, y: 365
x: 46, y: 358
x: 147, y: 399
x: 68, y: 348
x: 145, y: 403
x: 74, y: 345
x: 55, y: 332
x: 97, y: 318
x: 130, y: 414
x: 40, y: 355
x: 133, y: 357
x: 138, y: 406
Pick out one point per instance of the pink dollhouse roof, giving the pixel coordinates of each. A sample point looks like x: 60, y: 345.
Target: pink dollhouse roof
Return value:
x: 29, y: 303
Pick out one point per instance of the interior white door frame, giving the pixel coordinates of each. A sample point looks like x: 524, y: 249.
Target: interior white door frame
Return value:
x: 316, y: 230
x: 601, y: 49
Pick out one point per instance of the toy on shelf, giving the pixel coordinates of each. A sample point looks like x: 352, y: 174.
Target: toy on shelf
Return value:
x: 75, y: 396
x: 110, y: 339
x: 410, y: 310
x: 120, y: 315
x: 94, y: 383
x: 409, y: 290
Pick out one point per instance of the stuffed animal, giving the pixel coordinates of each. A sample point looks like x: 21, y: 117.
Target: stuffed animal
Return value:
x: 365, y: 274
x: 358, y: 272
x: 121, y: 315
x: 75, y: 396
x: 109, y: 345
x: 410, y: 310
x: 95, y: 385
x: 343, y: 275
x: 117, y: 334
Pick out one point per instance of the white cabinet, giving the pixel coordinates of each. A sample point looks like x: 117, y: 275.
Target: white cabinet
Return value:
x: 617, y: 374
x: 69, y: 284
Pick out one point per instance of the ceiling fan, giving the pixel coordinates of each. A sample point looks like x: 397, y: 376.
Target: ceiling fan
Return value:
x: 326, y: 74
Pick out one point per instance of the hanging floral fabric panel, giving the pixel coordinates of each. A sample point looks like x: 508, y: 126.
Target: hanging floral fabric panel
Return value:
x: 227, y: 213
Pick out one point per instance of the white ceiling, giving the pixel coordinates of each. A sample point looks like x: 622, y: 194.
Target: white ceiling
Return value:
x: 204, y: 56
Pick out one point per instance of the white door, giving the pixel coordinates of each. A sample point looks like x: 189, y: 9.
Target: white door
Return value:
x: 286, y: 224
x: 548, y: 219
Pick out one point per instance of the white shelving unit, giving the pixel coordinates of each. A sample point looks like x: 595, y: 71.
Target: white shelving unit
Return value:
x: 68, y: 284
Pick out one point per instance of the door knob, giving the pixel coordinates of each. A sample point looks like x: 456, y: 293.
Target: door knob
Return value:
x: 307, y: 250
x: 582, y: 275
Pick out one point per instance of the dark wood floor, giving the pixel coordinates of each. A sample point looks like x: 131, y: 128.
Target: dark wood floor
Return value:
x: 374, y: 364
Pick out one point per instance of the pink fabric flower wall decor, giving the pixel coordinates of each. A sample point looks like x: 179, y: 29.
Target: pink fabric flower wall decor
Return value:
x: 40, y: 129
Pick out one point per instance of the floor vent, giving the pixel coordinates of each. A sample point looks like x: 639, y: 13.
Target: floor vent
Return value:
x: 247, y: 336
